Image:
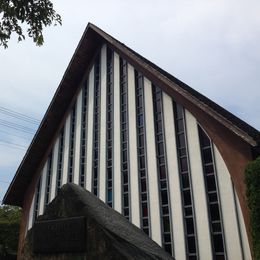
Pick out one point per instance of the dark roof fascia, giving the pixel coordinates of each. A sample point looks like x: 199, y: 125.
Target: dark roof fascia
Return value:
x: 236, y: 125
x: 81, y: 59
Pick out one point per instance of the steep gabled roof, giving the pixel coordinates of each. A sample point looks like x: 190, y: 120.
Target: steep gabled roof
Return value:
x: 81, y: 61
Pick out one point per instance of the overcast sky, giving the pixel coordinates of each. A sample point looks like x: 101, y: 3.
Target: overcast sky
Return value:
x: 213, y: 46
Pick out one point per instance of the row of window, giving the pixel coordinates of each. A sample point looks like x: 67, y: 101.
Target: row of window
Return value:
x: 141, y: 152
x: 124, y: 139
x: 110, y: 126
x: 96, y: 126
x: 185, y: 182
x: 163, y: 185
x: 83, y: 146
x: 71, y: 145
x: 215, y: 219
x: 162, y: 169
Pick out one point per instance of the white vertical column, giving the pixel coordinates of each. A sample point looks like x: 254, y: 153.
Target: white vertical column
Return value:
x: 227, y: 208
x: 155, y: 219
x: 77, y: 138
x: 54, y: 169
x: 134, y: 185
x: 66, y: 149
x: 103, y: 128
x: 245, y: 244
x: 42, y: 189
x: 30, y: 220
x: 88, y: 180
x: 117, y: 178
x: 199, y: 192
x: 173, y: 179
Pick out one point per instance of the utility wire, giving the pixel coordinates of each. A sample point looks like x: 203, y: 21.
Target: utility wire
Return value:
x: 8, y: 182
x: 19, y: 136
x: 17, y: 126
x: 12, y: 145
x: 18, y: 115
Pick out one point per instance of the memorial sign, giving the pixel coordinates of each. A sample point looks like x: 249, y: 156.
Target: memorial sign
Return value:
x: 66, y: 235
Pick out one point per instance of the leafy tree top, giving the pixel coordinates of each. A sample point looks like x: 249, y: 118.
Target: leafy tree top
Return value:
x: 36, y: 14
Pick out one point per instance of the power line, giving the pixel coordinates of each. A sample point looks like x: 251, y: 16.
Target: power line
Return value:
x: 19, y: 115
x: 17, y: 126
x: 19, y: 136
x: 12, y: 145
x: 7, y: 182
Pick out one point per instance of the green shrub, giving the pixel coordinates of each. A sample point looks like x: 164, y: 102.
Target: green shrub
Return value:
x: 252, y: 180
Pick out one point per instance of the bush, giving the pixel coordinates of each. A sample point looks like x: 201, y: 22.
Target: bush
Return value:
x: 252, y: 180
x: 9, y: 231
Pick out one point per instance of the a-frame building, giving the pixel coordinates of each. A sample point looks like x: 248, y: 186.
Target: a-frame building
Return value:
x: 166, y: 157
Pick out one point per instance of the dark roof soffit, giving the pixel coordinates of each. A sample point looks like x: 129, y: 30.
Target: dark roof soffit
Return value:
x: 82, y: 57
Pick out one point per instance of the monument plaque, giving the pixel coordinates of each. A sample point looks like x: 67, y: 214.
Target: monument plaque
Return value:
x: 66, y: 235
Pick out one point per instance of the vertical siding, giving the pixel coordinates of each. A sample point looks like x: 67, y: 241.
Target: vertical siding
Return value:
x: 30, y: 220
x: 102, y: 144
x: 245, y: 244
x: 43, y: 189
x: 66, y: 150
x: 133, y: 168
x: 77, y: 138
x: 54, y: 170
x: 227, y: 208
x: 173, y: 178
x: 156, y: 234
x: 90, y: 130
x: 116, y: 138
x: 199, y: 192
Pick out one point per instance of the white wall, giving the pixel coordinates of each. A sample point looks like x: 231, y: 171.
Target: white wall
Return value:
x: 155, y: 220
x: 173, y: 179
x: 198, y: 187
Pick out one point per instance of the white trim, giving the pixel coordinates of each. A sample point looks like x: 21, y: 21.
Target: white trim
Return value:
x: 77, y: 139
x: 117, y: 178
x: 227, y: 208
x: 66, y: 150
x: 103, y: 128
x: 41, y: 203
x: 133, y: 165
x: 53, y: 181
x: 198, y: 187
x: 175, y: 200
x: 155, y: 220
x: 89, y: 126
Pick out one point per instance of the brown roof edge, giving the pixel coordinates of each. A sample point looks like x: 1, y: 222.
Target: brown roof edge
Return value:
x: 54, y: 113
x: 89, y: 43
x: 235, y: 124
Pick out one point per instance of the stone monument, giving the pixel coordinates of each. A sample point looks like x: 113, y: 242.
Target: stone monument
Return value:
x: 78, y: 225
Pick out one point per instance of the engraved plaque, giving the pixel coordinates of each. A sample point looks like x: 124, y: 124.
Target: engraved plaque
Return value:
x: 66, y: 235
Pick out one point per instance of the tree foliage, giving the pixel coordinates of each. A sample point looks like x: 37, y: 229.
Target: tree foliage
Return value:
x: 35, y: 13
x: 9, y: 229
x: 252, y: 179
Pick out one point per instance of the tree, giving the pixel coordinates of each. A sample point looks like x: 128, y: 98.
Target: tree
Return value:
x: 35, y: 13
x: 9, y: 229
x: 252, y: 180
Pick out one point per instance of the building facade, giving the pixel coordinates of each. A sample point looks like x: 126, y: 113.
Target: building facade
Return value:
x: 145, y: 151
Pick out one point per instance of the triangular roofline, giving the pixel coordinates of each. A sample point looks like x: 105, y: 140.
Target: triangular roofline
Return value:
x: 92, y: 39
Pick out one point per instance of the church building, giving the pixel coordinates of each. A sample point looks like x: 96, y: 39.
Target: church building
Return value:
x: 163, y: 155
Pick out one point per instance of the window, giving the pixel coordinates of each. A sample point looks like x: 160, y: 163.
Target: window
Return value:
x: 124, y: 138
x: 110, y: 123
x: 83, y: 148
x: 186, y: 189
x: 72, y: 141
x: 212, y: 194
x: 161, y: 169
x: 48, y: 179
x: 60, y: 160
x: 96, y: 128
